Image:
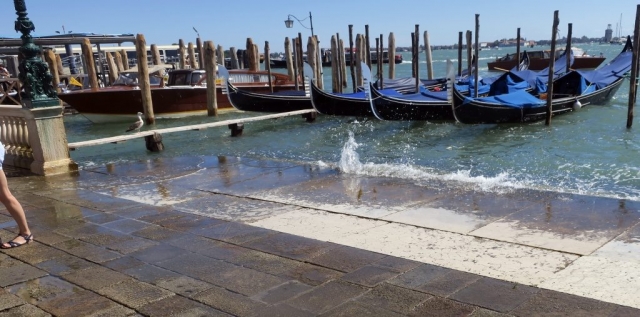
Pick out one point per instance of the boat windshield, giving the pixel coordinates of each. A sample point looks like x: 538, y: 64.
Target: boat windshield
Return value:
x: 131, y: 79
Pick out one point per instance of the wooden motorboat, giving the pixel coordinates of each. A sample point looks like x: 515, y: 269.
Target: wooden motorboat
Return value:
x: 184, y: 94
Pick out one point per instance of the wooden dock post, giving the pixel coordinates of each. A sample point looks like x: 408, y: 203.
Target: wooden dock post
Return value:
x: 251, y: 58
x: 381, y: 69
x: 50, y: 57
x: 113, y: 69
x: 154, y: 142
x: 335, y: 64
x: 427, y: 55
x: 359, y: 59
x: 219, y: 56
x: 459, y: 53
x: 300, y: 60
x: 193, y: 63
x: 312, y: 56
x: 294, y: 61
x: 469, y: 51
x: 236, y: 129
x: 556, y: 21
x: 477, y: 50
x: 200, y: 53
x: 368, y: 46
x: 235, y: 64
x: 378, y: 65
x: 288, y: 57
x: 143, y: 75
x: 125, y: 59
x: 118, y: 60
x: 90, y: 66
x: 210, y: 68
x: 392, y: 53
x: 267, y: 63
x: 568, y: 49
x: 352, y: 58
x: 59, y: 64
x: 417, y: 55
x: 518, y: 49
x: 343, y: 63
x: 155, y: 55
x: 633, y: 79
x: 181, y: 54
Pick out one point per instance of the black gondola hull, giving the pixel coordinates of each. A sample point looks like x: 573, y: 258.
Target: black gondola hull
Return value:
x: 249, y: 101
x: 338, y: 105
x: 391, y: 108
x: 482, y: 112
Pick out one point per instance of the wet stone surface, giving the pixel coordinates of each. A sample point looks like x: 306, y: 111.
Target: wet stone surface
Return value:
x: 189, y: 249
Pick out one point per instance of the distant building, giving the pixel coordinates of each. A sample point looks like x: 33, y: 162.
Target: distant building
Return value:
x: 608, y: 34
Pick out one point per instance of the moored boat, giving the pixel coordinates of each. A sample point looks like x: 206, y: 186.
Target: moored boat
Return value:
x: 574, y: 90
x: 539, y: 60
x: 282, y: 101
x: 184, y: 94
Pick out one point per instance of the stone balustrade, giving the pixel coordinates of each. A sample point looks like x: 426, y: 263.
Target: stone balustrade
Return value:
x: 35, y: 139
x: 14, y: 134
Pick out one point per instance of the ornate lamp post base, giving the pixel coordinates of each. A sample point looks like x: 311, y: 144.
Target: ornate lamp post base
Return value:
x: 42, y: 110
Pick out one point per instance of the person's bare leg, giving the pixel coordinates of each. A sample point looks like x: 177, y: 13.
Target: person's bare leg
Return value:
x: 15, y: 209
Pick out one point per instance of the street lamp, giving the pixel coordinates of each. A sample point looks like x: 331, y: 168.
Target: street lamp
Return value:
x: 63, y: 31
x: 289, y: 23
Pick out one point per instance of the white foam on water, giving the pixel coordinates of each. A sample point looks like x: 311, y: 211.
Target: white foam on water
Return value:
x: 502, y: 182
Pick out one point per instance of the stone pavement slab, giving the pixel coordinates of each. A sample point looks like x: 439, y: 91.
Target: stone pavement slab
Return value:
x: 312, y: 243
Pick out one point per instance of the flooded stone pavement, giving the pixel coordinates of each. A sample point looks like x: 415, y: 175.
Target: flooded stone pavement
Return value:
x: 220, y: 236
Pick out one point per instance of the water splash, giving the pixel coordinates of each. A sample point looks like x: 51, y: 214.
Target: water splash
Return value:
x: 349, y: 157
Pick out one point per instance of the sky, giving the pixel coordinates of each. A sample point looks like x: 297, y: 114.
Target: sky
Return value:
x: 230, y: 23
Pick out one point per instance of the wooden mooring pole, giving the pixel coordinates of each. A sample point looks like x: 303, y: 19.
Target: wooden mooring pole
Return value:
x: 143, y: 75
x: 368, y: 46
x: 427, y: 55
x: 459, y: 53
x: 392, y: 54
x: 568, y: 48
x: 193, y: 64
x: 556, y: 21
x: 335, y: 65
x: 155, y: 55
x: 469, y: 51
x: 50, y: 57
x: 210, y: 68
x: 477, y: 52
x: 518, y: 48
x: 182, y: 54
x: 633, y: 80
x: 289, y: 58
x: 351, y: 58
x: 90, y: 66
x: 267, y: 63
x: 113, y: 69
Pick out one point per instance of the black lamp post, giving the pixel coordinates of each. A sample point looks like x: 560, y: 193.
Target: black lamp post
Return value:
x: 289, y: 23
x: 34, y: 73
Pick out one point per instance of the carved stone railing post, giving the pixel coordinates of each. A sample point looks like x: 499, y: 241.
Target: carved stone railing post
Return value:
x: 39, y: 130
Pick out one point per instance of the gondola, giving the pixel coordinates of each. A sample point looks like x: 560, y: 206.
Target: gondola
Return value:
x: 575, y: 89
x: 343, y: 104
x: 282, y: 101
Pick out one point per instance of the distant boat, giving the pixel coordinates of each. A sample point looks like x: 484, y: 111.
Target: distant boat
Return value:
x: 539, y: 60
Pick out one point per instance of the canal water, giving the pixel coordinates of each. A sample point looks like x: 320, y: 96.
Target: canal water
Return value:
x: 589, y: 151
